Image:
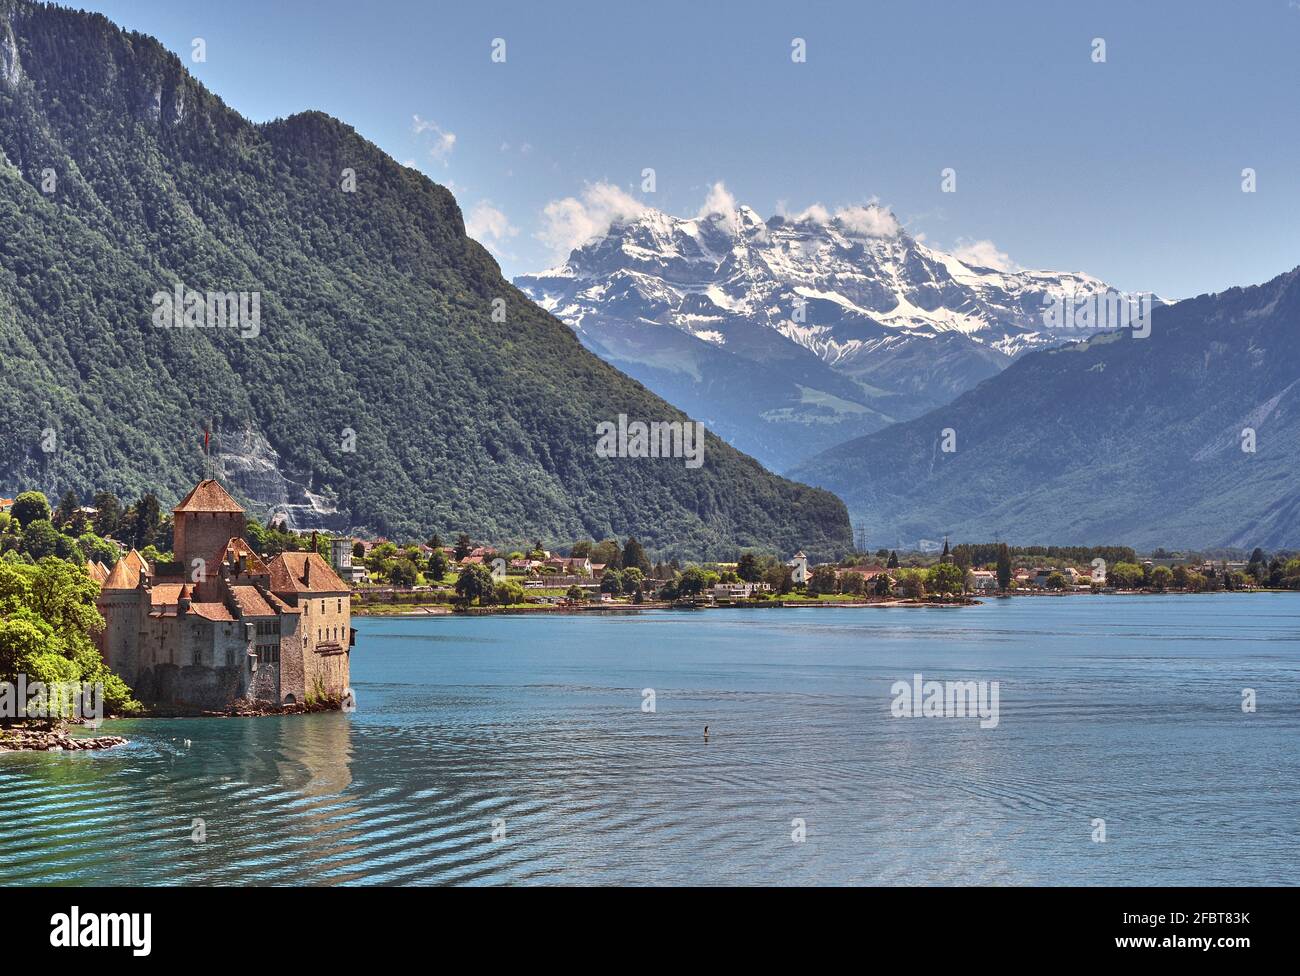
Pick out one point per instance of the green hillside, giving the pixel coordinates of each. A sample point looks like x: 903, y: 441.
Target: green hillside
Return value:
x: 375, y: 317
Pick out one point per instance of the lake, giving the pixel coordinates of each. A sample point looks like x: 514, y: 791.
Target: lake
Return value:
x: 513, y: 750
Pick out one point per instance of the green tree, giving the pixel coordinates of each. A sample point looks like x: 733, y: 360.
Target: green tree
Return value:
x: 884, y: 586
x: 747, y: 568
x: 612, y: 581
x: 96, y: 549
x: 438, y: 565
x: 633, y: 580
x: 69, y: 505
x: 402, y: 572
x: 893, y: 560
x: 575, y: 593
x: 823, y: 580
x: 1055, y: 581
x: 108, y: 514
x: 1162, y: 577
x: 634, y: 556
x: 946, y: 578
x: 692, y: 582
x: 1004, y: 567
x: 47, y: 619
x: 41, y: 539
x: 30, y: 506
x: 911, y: 583
x: 463, y: 547
x: 475, y: 583
x: 508, y: 592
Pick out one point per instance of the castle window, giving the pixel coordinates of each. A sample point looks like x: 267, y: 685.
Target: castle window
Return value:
x: 340, y: 606
x: 322, y: 606
x: 198, y: 657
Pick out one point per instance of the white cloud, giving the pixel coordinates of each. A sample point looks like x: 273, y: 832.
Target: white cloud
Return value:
x: 869, y: 220
x: 720, y: 203
x: 569, y: 223
x: 443, y: 141
x: 489, y: 226
x: 985, y: 254
x: 872, y: 220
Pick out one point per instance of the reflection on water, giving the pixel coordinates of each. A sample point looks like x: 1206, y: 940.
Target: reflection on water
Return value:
x: 532, y: 732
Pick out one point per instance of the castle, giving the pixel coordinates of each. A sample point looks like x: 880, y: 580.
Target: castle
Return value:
x: 219, y: 624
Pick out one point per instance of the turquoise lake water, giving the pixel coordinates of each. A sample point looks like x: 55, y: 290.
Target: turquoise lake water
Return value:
x: 533, y: 730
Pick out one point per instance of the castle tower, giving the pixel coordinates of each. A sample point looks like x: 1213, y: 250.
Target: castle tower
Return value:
x: 205, y: 520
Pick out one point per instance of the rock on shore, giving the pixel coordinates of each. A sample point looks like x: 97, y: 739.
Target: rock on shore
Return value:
x: 53, y: 740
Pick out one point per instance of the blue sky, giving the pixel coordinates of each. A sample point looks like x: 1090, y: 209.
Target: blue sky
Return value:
x: 1128, y: 169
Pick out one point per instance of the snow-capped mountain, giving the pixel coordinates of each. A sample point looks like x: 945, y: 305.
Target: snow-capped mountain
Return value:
x: 790, y: 335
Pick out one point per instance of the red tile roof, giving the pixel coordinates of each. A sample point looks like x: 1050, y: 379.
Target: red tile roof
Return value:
x: 208, y: 496
x: 212, y: 611
x: 239, y: 548
x: 250, y: 602
x: 304, y: 572
x: 123, y: 577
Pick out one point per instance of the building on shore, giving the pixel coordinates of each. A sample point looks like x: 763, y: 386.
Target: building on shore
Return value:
x: 220, y: 625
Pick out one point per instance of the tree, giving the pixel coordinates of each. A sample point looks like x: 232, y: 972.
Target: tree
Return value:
x: 30, y: 506
x: 1125, y: 576
x: 607, y: 554
x: 108, y: 513
x: 41, y: 539
x: 508, y: 592
x: 475, y: 583
x: 946, y: 578
x: 911, y: 582
x: 634, y: 556
x: 893, y: 560
x: 779, y: 578
x: 47, y: 617
x: 692, y: 582
x: 747, y: 568
x: 1004, y: 567
x: 402, y: 572
x: 633, y: 580
x: 463, y: 547
x: 144, y: 519
x: 575, y: 593
x: 852, y: 583
x: 612, y: 581
x: 884, y: 586
x: 69, y: 505
x: 96, y: 549
x: 437, y: 568
x: 435, y: 541
x: 823, y: 580
x: 358, y: 551
x: 1055, y: 581
x: 1161, y: 577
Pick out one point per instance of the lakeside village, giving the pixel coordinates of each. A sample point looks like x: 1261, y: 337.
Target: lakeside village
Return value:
x: 205, y: 611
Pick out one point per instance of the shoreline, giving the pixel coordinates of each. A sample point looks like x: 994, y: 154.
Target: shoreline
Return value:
x: 444, y: 610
